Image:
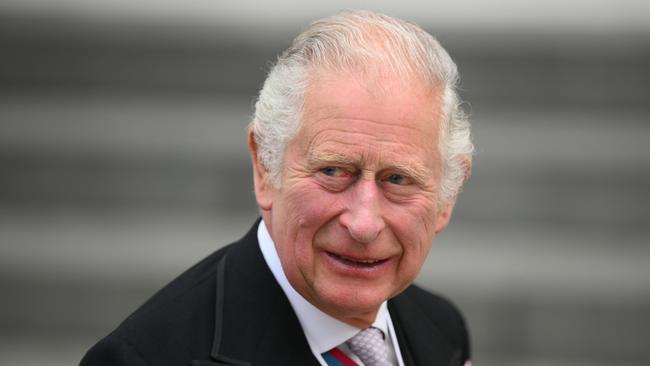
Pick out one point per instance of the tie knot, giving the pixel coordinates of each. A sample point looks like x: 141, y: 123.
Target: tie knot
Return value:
x: 370, y: 347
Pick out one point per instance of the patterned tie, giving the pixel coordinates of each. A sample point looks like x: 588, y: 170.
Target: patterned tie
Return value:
x: 370, y: 347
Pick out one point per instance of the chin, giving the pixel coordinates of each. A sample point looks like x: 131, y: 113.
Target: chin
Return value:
x: 352, y: 302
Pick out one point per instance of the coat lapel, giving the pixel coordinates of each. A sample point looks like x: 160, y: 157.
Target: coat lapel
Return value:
x: 254, y: 321
x: 420, y: 340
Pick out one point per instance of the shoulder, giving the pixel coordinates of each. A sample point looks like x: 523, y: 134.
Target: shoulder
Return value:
x: 174, y: 325
x: 437, y: 308
x: 112, y: 351
x: 194, y: 284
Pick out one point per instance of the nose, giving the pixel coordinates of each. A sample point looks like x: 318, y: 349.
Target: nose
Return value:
x: 363, y: 217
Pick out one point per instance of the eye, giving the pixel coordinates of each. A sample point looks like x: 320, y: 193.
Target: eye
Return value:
x: 400, y: 187
x: 397, y: 179
x: 332, y: 171
x: 334, y: 178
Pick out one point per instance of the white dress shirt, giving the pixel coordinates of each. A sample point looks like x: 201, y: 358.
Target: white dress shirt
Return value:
x: 322, y: 331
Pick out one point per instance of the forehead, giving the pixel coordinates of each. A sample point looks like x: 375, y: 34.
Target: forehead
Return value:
x: 388, y: 115
x: 357, y: 90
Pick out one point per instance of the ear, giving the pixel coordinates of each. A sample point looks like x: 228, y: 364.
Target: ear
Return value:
x: 261, y: 177
x: 444, y: 216
x: 467, y: 168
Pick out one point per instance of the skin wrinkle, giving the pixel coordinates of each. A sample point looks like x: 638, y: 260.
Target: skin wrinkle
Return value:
x: 316, y: 137
x: 383, y: 141
x: 386, y: 124
x: 420, y: 175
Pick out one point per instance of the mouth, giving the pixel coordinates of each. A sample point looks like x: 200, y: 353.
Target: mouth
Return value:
x: 357, y: 262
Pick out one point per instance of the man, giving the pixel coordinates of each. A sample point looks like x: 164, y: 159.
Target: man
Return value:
x: 359, y: 150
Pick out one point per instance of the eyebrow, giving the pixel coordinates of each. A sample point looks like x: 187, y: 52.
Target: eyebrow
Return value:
x: 419, y: 173
x: 332, y: 157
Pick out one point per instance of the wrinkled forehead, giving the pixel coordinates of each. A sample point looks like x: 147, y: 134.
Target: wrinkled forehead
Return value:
x: 393, y: 115
x: 381, y: 97
x: 375, y: 77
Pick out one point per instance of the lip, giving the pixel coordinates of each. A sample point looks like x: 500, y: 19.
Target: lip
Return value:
x: 364, y: 267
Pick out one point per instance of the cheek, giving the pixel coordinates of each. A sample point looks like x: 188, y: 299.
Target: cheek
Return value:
x: 414, y: 229
x: 310, y: 206
x: 303, y: 211
x: 416, y: 243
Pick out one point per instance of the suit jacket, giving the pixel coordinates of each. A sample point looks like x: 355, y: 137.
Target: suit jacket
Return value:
x: 229, y: 310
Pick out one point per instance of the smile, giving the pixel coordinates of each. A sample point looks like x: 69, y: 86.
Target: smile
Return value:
x: 356, y: 261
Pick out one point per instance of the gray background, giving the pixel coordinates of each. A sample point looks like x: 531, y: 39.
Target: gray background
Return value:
x: 123, y: 161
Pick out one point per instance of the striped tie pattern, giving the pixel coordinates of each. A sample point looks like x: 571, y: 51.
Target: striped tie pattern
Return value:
x: 370, y: 347
x: 336, y: 357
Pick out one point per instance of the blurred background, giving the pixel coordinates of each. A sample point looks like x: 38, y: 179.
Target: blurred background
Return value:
x: 123, y: 162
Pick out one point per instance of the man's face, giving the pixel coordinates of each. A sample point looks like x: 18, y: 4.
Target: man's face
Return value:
x: 357, y: 209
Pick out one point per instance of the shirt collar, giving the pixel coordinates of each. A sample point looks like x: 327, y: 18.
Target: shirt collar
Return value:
x: 323, y: 332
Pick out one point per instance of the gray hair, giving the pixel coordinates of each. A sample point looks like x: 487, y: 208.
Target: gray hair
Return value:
x: 362, y: 40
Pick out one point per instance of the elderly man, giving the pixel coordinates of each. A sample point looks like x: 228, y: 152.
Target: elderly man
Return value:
x: 359, y: 150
